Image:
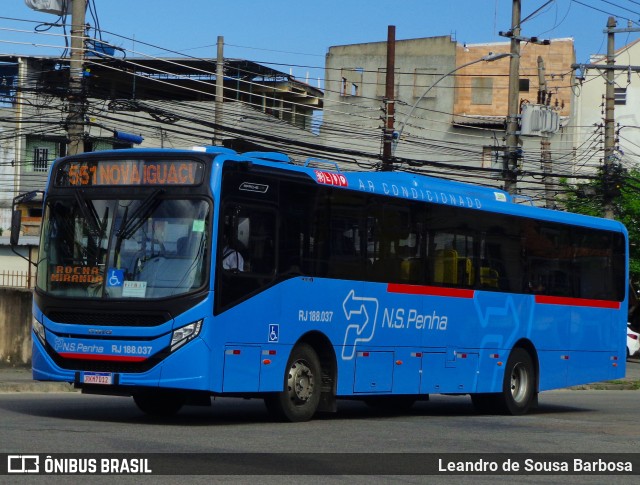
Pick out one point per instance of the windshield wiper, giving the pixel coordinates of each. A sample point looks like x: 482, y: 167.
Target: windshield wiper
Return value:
x: 97, y: 227
x: 129, y: 226
x: 90, y: 215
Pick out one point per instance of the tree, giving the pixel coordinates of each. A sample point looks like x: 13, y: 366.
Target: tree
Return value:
x: 622, y: 186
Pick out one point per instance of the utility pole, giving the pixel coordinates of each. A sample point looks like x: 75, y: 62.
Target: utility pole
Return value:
x: 545, y: 143
x: 387, y: 131
x: 609, y: 119
x: 610, y: 170
x: 513, y: 110
x: 512, y: 138
x: 75, y: 117
x: 217, y: 134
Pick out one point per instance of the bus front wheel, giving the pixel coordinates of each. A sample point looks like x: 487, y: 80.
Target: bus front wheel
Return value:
x: 302, y: 382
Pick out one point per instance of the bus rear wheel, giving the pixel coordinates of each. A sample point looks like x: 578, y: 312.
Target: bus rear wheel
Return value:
x: 519, y: 387
x: 159, y: 403
x: 302, y: 385
x: 518, y: 394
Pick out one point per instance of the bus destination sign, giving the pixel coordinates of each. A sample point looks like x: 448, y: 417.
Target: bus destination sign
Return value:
x: 97, y: 173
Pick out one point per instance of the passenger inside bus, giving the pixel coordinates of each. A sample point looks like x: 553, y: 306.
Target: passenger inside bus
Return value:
x: 236, y: 235
x: 232, y: 259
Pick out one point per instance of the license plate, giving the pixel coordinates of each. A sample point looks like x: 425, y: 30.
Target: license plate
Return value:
x: 105, y: 378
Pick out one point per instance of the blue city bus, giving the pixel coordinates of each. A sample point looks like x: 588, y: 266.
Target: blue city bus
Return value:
x: 176, y: 275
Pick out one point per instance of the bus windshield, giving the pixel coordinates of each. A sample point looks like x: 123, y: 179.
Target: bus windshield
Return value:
x: 152, y: 247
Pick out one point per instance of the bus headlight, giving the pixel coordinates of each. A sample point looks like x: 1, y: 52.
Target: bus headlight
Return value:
x: 38, y: 329
x: 185, y: 334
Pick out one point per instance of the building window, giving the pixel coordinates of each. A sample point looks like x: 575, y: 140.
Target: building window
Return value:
x: 482, y: 90
x: 40, y: 159
x: 381, y: 82
x: 523, y: 84
x: 423, y: 80
x: 343, y: 86
x: 351, y: 81
x: 620, y: 96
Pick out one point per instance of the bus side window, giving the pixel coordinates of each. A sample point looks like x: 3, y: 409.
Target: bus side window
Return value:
x: 346, y: 260
x: 489, y: 277
x: 446, y: 267
x: 454, y: 262
x: 248, y: 241
x: 235, y: 234
x: 261, y: 242
x: 501, y: 262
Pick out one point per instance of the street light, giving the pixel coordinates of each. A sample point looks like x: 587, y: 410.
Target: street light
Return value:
x: 490, y: 57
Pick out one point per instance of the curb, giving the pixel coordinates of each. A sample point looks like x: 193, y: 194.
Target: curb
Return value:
x: 608, y: 386
x: 19, y: 379
x: 35, y: 386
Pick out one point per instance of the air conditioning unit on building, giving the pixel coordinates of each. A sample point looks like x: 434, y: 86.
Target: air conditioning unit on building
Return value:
x: 539, y: 120
x: 57, y: 7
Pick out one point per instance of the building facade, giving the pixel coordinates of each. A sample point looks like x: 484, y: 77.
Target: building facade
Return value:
x: 450, y: 107
x: 590, y: 119
x: 156, y: 102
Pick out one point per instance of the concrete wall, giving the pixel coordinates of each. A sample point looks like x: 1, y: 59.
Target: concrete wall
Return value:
x: 440, y: 109
x: 15, y: 326
x: 355, y: 81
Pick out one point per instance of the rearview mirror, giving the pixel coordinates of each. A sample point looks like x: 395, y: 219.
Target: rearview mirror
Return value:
x: 16, y: 224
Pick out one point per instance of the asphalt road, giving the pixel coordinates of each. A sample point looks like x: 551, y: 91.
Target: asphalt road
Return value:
x: 596, y: 422
x: 577, y: 421
x: 42, y: 420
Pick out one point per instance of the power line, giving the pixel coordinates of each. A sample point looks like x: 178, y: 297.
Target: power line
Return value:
x: 460, y: 152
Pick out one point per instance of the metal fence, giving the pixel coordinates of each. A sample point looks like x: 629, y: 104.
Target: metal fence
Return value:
x: 17, y: 279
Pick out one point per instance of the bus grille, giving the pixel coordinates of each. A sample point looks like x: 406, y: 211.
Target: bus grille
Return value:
x: 109, y: 319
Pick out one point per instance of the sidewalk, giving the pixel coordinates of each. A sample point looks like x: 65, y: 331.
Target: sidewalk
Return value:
x: 18, y: 379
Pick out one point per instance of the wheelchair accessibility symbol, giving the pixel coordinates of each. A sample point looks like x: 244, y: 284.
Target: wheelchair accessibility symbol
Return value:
x: 274, y: 332
x: 115, y: 277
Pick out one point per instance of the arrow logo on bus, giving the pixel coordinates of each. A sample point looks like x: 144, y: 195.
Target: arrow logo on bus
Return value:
x: 362, y: 331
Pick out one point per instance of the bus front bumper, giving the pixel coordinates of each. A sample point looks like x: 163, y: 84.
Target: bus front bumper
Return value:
x: 188, y: 368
